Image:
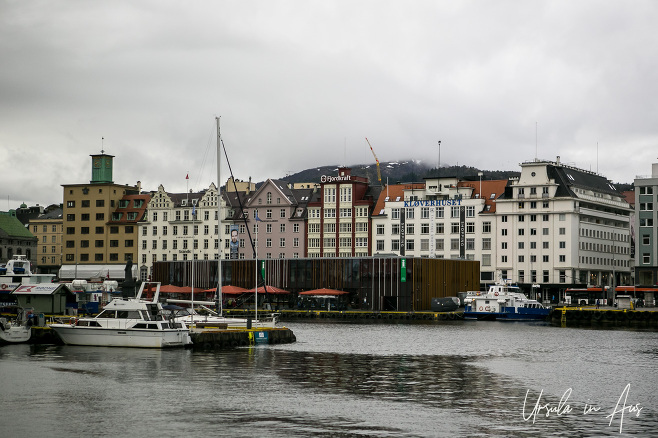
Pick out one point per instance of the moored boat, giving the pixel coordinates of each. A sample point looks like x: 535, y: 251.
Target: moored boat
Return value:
x: 503, y: 302
x: 131, y: 322
x: 17, y: 331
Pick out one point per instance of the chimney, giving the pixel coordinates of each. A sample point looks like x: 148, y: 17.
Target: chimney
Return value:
x: 558, y: 159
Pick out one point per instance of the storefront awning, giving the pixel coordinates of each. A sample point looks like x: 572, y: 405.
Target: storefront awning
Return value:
x: 87, y: 272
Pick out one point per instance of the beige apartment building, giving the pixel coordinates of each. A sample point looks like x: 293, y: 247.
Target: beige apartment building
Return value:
x: 100, y: 224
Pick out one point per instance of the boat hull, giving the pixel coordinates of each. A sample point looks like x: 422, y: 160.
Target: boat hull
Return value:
x: 15, y: 335
x: 536, y: 315
x: 116, y: 337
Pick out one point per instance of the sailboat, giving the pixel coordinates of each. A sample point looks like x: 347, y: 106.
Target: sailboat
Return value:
x: 211, y: 318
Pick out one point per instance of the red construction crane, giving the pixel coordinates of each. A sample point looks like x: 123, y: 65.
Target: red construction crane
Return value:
x: 379, y: 174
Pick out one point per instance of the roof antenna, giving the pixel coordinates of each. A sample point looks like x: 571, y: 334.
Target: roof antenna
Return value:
x: 102, y: 148
x: 536, y: 142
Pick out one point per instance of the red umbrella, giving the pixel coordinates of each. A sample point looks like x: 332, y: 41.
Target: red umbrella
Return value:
x: 323, y: 292
x: 270, y: 290
x: 229, y: 290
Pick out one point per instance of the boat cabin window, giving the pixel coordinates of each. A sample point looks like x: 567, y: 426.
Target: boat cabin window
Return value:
x: 129, y: 314
x: 107, y: 314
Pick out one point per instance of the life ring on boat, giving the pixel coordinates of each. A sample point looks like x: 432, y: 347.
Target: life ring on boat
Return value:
x: 4, y: 286
x: 480, y: 308
x: 487, y: 308
x: 74, y: 321
x: 496, y: 294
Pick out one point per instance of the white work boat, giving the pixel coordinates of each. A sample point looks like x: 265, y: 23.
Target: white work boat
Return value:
x: 132, y: 322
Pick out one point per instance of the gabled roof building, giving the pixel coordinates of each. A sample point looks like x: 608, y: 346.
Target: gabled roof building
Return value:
x: 560, y: 226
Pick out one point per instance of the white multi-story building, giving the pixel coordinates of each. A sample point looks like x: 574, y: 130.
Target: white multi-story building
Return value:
x: 442, y: 218
x: 181, y: 226
x: 560, y: 226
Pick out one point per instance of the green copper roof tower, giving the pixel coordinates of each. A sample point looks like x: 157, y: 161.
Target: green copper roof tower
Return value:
x: 101, y: 168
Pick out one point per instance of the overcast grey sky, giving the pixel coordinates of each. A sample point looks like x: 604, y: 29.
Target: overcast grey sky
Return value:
x: 300, y: 84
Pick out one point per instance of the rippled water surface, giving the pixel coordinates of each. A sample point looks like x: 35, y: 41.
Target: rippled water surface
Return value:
x: 344, y: 379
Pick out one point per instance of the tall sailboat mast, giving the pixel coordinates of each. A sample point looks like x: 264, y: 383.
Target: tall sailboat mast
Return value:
x: 220, y: 252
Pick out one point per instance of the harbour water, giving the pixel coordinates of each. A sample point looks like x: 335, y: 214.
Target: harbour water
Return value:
x: 452, y: 378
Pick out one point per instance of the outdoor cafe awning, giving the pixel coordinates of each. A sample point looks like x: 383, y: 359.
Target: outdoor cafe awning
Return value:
x: 270, y: 290
x: 329, y: 292
x: 230, y: 290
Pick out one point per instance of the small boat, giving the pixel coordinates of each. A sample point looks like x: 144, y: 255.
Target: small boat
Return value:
x: 503, y: 302
x: 131, y: 322
x: 17, y: 331
x: 191, y: 317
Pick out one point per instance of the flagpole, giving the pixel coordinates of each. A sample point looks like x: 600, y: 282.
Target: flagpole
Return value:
x: 256, y: 306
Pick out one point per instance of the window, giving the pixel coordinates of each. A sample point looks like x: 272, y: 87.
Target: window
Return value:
x: 486, y: 243
x: 268, y: 243
x: 282, y: 214
x: 440, y: 228
x: 424, y: 212
x: 282, y: 228
x: 563, y: 231
x: 440, y: 213
x: 503, y: 232
x: 409, y: 213
x: 295, y: 228
x: 395, y: 213
x: 470, y: 244
x: 424, y: 228
x: 380, y: 230
x: 544, y: 258
x: 454, y: 211
x: 424, y: 244
x: 70, y: 217
x: 454, y: 244
x: 410, y: 229
x: 486, y: 227
x: 411, y: 245
x: 282, y: 242
x: 486, y: 259
x: 454, y: 227
x: 562, y: 259
x: 470, y: 227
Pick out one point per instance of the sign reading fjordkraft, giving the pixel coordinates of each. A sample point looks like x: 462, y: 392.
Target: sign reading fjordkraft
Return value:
x: 330, y: 179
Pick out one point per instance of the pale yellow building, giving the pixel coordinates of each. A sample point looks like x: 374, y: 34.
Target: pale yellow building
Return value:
x: 48, y: 228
